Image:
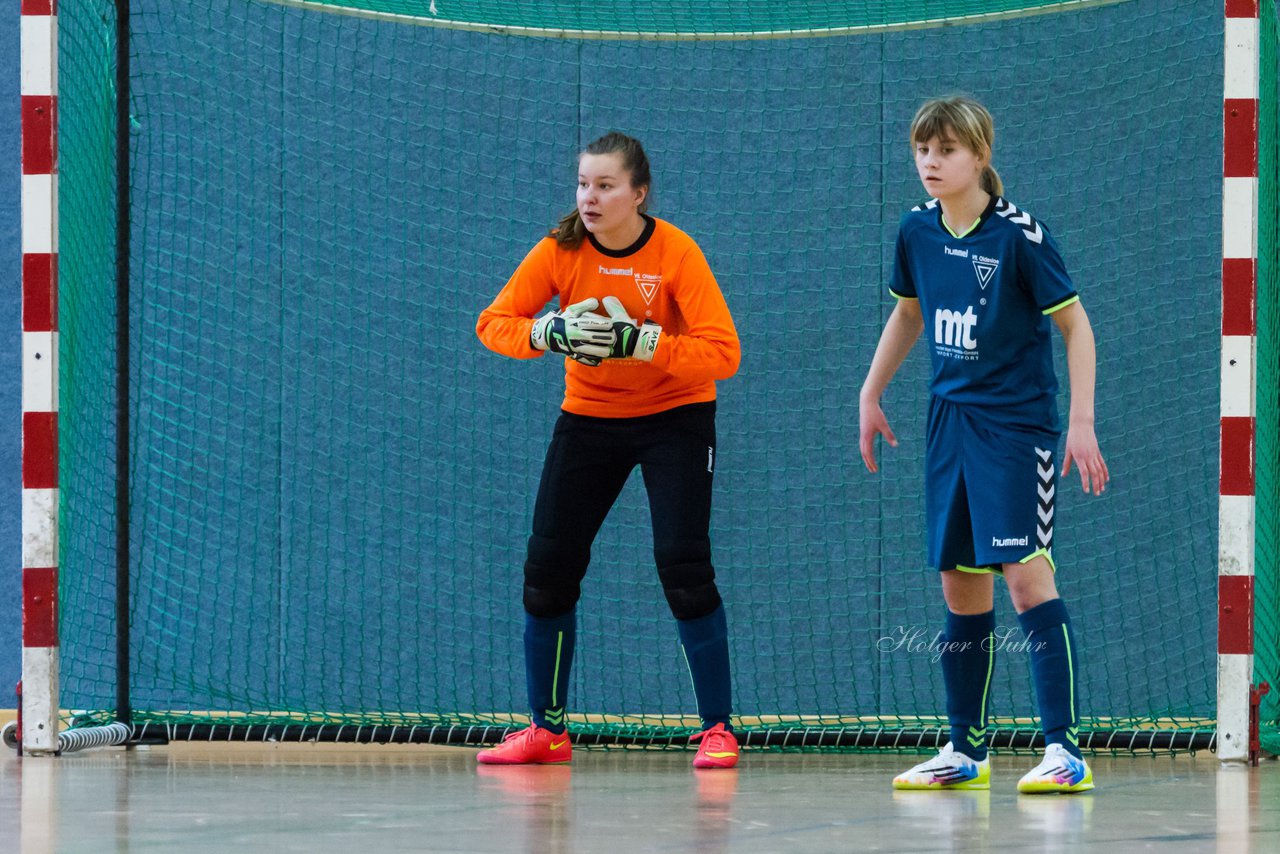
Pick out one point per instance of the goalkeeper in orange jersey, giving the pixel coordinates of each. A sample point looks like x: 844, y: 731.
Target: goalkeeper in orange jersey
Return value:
x: 639, y: 390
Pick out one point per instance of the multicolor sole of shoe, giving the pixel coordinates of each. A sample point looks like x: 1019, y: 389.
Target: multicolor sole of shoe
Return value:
x: 1050, y: 787
x: 966, y: 786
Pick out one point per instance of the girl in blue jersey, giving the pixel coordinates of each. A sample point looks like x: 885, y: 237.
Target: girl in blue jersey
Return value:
x: 982, y: 279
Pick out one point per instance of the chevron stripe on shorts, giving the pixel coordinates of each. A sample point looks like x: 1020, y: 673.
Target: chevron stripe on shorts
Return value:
x: 1044, y: 493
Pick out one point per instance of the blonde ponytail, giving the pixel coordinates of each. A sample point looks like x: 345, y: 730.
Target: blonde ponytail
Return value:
x: 991, y: 181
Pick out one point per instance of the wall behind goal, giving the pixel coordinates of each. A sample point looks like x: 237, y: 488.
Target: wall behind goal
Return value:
x: 333, y: 478
x: 10, y: 369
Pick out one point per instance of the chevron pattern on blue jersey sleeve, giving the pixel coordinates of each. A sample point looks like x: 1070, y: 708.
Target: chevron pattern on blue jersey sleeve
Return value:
x: 1030, y: 228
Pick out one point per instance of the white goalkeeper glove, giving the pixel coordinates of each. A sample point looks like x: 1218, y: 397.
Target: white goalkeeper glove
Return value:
x: 575, y: 332
x: 631, y: 340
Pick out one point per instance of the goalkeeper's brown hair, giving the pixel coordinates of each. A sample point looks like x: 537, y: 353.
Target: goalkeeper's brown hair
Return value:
x: 570, y: 231
x: 968, y: 123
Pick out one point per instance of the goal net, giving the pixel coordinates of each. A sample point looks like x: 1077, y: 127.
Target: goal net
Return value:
x: 1267, y: 466
x: 331, y: 480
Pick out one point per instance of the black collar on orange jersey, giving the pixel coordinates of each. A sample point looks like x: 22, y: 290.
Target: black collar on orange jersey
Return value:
x: 649, y: 225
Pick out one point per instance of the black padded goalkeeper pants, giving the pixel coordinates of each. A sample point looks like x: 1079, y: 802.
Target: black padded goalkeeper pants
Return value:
x: 587, y: 463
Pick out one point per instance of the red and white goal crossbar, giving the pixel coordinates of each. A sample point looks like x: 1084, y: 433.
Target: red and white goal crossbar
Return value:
x: 1236, y: 507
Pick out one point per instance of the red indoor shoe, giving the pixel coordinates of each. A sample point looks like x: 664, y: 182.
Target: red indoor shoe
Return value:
x: 531, y: 746
x: 719, y: 749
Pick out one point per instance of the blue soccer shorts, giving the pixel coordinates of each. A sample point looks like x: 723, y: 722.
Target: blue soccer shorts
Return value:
x: 989, y: 490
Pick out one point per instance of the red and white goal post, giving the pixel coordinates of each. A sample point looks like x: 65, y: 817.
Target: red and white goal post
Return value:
x: 1236, y: 508
x: 39, y: 712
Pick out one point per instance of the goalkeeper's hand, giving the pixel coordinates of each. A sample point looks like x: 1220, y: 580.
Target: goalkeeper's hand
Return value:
x: 575, y: 332
x: 630, y: 340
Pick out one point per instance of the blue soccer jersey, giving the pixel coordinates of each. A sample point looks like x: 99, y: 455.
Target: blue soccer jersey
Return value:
x: 985, y: 298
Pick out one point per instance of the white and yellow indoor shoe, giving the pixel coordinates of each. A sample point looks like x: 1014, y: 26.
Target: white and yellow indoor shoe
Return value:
x: 1058, y: 772
x: 950, y: 769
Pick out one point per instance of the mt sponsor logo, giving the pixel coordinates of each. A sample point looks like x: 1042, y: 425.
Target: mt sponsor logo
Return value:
x: 953, y: 333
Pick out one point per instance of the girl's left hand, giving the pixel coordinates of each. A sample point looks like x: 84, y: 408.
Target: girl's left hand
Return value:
x: 1082, y: 446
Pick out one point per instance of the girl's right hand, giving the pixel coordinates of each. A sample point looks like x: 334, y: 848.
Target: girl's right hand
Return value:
x: 871, y: 421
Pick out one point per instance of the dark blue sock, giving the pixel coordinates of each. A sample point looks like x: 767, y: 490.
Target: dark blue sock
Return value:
x: 1053, y: 668
x: 968, y: 656
x: 548, y: 656
x: 706, y: 649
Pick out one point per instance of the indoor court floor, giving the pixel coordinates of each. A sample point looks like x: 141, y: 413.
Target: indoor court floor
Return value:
x: 371, y: 799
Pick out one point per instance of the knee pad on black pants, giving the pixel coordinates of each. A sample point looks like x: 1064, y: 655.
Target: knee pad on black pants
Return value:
x: 553, y: 577
x: 690, y: 589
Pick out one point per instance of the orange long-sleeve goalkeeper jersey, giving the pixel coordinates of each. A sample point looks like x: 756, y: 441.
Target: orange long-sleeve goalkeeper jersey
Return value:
x: 662, y: 277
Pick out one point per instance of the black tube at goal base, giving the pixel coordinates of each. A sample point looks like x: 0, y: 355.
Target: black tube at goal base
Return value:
x: 801, y: 738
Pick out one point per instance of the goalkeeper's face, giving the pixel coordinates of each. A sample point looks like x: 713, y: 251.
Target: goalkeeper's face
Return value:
x: 607, y: 201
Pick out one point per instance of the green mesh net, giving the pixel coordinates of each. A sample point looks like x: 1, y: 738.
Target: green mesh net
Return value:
x: 1267, y: 427
x: 332, y: 479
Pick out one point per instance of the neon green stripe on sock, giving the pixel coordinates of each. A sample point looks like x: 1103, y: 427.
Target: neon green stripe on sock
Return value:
x: 555, y: 677
x: 991, y: 664
x: 1071, y: 673
x: 684, y: 653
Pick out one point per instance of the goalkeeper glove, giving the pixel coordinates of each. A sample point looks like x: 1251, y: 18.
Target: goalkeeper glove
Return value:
x: 630, y: 340
x: 575, y: 332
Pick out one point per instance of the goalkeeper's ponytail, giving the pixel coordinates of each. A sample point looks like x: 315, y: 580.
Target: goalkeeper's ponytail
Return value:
x: 570, y: 231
